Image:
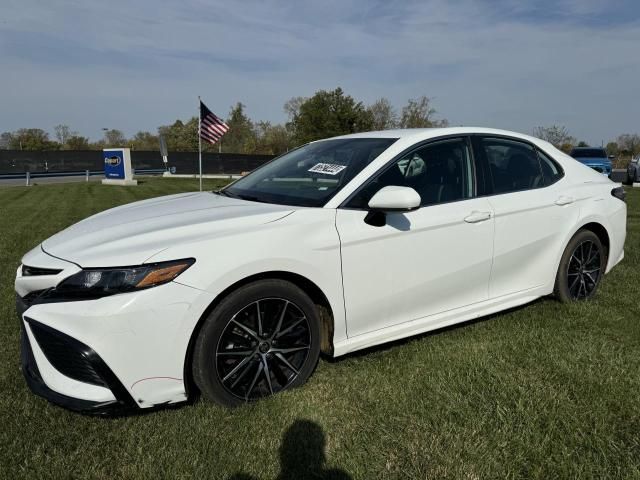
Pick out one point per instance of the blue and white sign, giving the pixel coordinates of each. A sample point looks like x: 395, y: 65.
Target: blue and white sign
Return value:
x: 117, y: 166
x: 113, y: 164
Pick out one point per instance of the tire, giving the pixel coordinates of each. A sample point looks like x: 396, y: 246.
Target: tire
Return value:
x: 581, y: 268
x: 241, y: 356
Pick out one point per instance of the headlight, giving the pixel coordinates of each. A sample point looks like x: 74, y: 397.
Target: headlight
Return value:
x: 101, y: 282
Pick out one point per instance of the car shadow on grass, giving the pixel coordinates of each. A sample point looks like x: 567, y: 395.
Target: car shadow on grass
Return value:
x: 302, y: 455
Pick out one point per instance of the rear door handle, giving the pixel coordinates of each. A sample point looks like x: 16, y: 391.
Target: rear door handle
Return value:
x: 476, y: 217
x: 562, y: 200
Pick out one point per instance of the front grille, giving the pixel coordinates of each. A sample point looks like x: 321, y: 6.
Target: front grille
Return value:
x: 68, y: 356
x: 28, y: 271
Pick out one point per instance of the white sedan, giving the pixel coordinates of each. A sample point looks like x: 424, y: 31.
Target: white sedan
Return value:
x: 336, y: 246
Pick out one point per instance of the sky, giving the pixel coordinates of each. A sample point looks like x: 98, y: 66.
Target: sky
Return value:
x: 136, y: 65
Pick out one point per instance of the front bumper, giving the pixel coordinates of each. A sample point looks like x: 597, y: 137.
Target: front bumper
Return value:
x: 122, y: 404
x: 113, y: 355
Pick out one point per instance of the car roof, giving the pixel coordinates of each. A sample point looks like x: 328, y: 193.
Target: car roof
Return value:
x: 418, y: 134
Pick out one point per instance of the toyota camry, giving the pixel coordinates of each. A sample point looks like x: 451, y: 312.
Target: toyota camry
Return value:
x: 336, y: 246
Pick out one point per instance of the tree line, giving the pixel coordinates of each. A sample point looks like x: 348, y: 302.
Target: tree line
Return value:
x: 623, y: 147
x: 325, y: 114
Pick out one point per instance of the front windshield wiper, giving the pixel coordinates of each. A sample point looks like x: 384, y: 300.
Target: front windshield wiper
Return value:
x: 249, y: 198
x: 225, y: 193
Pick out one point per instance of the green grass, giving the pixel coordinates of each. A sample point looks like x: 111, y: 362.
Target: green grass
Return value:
x: 544, y: 391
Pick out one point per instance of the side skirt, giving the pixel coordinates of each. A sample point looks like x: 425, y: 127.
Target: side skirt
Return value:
x: 439, y: 320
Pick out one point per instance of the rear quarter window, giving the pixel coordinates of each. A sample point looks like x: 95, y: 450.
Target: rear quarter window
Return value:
x: 551, y: 170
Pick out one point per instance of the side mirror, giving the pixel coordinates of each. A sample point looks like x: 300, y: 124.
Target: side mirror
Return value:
x: 391, y: 199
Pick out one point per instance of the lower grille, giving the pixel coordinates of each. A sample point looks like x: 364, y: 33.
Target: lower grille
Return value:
x: 69, y: 357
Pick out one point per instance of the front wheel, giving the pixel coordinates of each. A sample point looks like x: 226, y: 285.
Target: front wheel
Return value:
x: 581, y: 268
x: 260, y: 340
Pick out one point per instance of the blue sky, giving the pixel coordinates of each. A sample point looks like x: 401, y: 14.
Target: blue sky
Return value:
x: 503, y: 63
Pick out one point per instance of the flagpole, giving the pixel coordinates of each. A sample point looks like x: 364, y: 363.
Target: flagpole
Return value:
x: 200, y: 140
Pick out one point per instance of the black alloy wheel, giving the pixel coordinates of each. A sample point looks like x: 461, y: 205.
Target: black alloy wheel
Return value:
x: 263, y: 348
x: 584, y: 270
x: 581, y: 267
x: 260, y: 339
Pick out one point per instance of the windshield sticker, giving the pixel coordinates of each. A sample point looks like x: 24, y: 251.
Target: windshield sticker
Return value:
x: 327, y: 168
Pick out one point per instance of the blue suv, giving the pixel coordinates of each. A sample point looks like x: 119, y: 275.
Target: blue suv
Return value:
x: 593, y: 157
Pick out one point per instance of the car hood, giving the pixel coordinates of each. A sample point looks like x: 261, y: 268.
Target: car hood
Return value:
x: 131, y: 234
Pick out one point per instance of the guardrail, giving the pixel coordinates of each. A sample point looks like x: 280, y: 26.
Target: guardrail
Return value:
x: 28, y: 176
x: 617, y: 175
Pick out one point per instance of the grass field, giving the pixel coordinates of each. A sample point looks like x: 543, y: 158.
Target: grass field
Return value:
x: 544, y: 391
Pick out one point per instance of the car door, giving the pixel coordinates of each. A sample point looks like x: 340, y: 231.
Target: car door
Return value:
x: 532, y: 213
x: 423, y: 262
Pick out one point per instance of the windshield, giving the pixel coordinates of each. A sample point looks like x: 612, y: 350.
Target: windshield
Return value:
x: 310, y: 175
x: 588, y: 153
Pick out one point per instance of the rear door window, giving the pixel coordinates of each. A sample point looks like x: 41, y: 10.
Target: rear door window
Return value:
x: 513, y: 165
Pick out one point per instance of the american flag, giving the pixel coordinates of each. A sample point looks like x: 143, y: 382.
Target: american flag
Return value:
x: 211, y: 127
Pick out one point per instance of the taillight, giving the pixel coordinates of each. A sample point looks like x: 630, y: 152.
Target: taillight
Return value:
x: 619, y: 193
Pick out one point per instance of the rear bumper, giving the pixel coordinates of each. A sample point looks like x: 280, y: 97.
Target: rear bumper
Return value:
x: 617, y: 234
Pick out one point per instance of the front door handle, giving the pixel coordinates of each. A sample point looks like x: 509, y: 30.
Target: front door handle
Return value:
x: 562, y: 200
x: 476, y: 217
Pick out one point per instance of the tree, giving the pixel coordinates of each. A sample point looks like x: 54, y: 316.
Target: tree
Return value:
x: 77, y: 142
x: 145, y: 141
x: 292, y: 107
x: 419, y: 113
x: 114, y: 138
x: 612, y: 148
x: 272, y: 139
x: 557, y: 135
x: 629, y: 144
x: 327, y: 114
x: 63, y: 133
x: 241, y: 137
x: 31, y: 139
x: 181, y: 137
x: 582, y: 143
x: 383, y: 115
x: 5, y: 140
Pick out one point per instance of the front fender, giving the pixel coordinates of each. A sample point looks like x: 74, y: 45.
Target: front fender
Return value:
x: 304, y: 243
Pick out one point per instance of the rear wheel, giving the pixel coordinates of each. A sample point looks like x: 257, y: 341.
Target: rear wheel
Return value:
x: 581, y: 268
x: 260, y: 340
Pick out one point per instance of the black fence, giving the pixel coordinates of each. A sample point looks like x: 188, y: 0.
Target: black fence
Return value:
x: 17, y: 161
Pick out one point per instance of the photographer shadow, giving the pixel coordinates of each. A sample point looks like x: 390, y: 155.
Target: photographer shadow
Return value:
x: 302, y: 455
